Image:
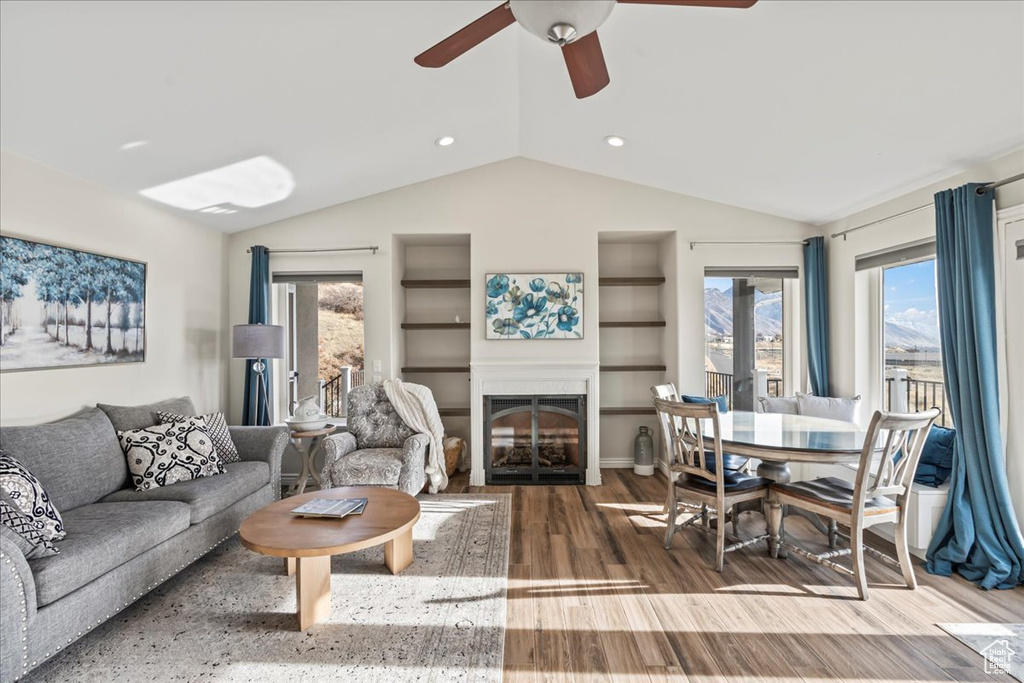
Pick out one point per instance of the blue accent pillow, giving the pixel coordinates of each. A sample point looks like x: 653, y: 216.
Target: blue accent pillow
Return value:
x: 722, y: 401
x: 936, y: 462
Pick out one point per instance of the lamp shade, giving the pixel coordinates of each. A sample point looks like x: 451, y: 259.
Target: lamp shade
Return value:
x: 257, y: 341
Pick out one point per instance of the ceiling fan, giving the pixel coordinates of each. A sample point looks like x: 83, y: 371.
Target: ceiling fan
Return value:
x: 570, y: 24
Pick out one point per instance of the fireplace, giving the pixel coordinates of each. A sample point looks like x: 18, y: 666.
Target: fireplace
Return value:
x: 535, y: 439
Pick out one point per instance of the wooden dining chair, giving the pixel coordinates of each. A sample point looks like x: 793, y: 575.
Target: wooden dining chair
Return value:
x: 695, y: 475
x: 732, y: 462
x: 881, y: 475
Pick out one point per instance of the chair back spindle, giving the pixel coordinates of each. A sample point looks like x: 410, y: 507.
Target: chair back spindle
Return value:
x: 902, y: 435
x: 684, y: 426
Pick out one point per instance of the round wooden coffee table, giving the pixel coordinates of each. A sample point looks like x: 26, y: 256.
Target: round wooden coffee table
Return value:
x: 307, y: 543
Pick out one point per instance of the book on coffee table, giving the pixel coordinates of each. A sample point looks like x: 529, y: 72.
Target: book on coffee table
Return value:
x: 336, y: 508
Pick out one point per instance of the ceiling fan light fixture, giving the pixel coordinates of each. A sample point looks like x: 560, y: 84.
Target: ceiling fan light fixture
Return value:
x: 561, y: 21
x: 560, y: 34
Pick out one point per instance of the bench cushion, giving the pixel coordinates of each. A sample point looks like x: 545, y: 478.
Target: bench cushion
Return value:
x: 208, y: 495
x: 78, y: 460
x: 102, y: 537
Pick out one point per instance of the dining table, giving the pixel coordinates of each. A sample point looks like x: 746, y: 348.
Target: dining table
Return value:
x: 778, y: 439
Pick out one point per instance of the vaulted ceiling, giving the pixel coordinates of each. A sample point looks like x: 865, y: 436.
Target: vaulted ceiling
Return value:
x: 808, y: 110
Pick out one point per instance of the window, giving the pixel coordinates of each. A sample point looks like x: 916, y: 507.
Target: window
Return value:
x: 743, y: 325
x: 910, y: 338
x: 325, y: 331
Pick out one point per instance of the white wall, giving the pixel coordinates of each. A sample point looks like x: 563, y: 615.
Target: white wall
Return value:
x: 521, y: 215
x: 186, y: 302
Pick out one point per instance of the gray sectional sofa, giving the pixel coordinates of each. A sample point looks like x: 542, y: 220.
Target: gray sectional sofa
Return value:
x: 120, y: 543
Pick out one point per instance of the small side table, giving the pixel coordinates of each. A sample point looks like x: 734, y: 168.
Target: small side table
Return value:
x: 308, y: 454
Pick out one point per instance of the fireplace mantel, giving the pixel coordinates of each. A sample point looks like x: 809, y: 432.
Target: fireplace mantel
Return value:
x: 529, y: 377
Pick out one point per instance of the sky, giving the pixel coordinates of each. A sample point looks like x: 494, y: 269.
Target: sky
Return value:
x: 910, y: 287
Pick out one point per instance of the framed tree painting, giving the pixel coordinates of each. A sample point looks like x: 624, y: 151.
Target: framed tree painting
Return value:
x: 62, y: 307
x: 534, y: 306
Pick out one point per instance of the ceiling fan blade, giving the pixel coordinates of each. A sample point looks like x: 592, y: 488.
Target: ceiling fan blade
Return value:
x: 736, y: 4
x: 585, y: 62
x: 467, y: 38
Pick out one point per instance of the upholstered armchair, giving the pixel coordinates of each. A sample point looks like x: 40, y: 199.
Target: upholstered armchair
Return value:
x: 378, y: 450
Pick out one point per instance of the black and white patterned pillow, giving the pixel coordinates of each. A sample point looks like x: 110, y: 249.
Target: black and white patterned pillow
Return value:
x: 216, y: 427
x: 28, y: 533
x: 169, y: 453
x: 27, y: 494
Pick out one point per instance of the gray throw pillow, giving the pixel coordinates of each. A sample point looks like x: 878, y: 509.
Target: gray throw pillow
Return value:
x: 138, y: 417
x: 843, y: 409
x: 168, y: 453
x: 216, y: 427
x: 22, y: 490
x: 785, y: 405
x: 25, y: 532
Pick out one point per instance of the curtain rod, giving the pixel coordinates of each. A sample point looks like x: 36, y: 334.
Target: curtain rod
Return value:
x: 758, y: 244
x: 901, y: 214
x: 315, y: 251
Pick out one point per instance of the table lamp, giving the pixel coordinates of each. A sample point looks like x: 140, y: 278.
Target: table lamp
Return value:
x: 258, y: 342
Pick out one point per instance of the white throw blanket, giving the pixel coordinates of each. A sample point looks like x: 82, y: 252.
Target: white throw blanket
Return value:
x: 415, y: 404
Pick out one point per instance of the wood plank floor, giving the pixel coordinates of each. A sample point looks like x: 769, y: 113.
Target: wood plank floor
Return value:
x: 594, y: 596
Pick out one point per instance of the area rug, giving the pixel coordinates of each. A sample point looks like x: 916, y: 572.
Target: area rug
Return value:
x: 1001, y: 646
x: 231, y: 615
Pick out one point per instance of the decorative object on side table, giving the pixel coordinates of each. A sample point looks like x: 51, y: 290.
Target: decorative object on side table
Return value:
x: 258, y: 342
x: 643, y: 452
x: 534, y: 306
x: 88, y: 309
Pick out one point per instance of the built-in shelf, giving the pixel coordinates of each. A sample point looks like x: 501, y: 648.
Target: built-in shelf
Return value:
x: 636, y: 410
x: 436, y: 368
x: 453, y: 412
x: 632, y: 323
x: 630, y: 281
x: 435, y: 284
x: 436, y: 326
x: 632, y: 368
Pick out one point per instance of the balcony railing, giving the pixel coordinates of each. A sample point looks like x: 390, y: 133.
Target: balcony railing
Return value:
x: 915, y: 395
x: 720, y: 383
x: 334, y: 392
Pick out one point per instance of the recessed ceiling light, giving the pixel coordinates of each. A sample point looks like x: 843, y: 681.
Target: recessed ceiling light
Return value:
x: 444, y: 141
x: 134, y: 144
x: 615, y: 140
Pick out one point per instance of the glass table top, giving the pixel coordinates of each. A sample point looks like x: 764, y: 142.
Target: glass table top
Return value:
x: 791, y: 432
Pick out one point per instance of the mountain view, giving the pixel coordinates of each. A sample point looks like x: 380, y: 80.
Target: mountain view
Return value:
x: 718, y: 313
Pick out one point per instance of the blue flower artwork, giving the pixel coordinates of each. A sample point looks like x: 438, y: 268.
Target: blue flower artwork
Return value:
x: 534, y: 306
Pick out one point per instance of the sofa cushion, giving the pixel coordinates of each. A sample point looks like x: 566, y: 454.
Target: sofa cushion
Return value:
x: 101, y: 537
x: 77, y: 460
x: 138, y: 417
x: 368, y: 467
x: 206, y: 496
x: 216, y: 427
x: 168, y: 453
x: 22, y: 490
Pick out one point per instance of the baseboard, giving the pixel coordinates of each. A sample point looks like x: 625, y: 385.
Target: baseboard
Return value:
x: 616, y: 463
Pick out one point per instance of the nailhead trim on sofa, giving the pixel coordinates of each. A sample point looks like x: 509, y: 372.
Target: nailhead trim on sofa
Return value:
x: 24, y: 611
